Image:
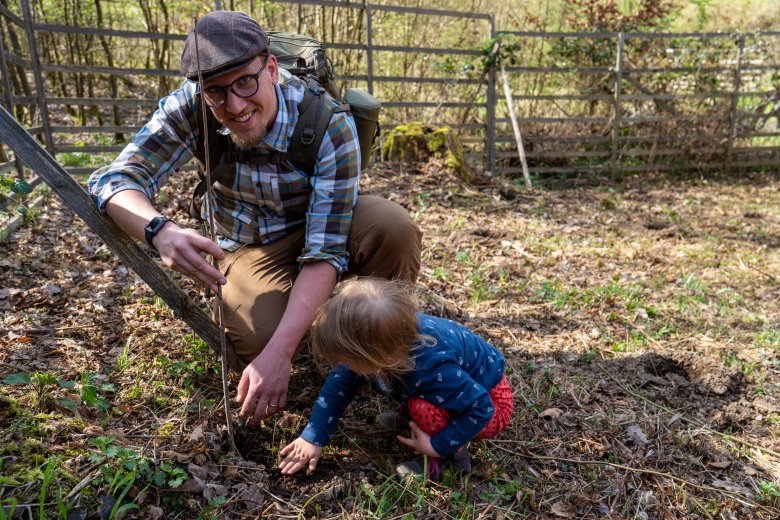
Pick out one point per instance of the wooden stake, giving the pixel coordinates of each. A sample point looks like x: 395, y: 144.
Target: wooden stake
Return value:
x: 516, y: 127
x: 215, y: 262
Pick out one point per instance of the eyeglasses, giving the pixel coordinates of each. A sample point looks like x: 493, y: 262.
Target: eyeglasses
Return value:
x: 243, y: 87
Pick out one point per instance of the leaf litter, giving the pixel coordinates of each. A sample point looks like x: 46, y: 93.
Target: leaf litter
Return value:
x: 640, y: 324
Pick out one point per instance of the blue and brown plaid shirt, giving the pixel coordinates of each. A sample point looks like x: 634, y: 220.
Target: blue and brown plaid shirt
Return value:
x: 255, y: 203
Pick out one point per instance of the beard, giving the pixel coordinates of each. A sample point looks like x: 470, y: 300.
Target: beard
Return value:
x: 248, y: 139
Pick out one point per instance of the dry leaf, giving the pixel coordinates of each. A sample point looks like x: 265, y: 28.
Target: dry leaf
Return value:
x: 730, y: 486
x: 636, y: 435
x: 197, y: 434
x: 154, y: 513
x: 552, y: 413
x: 563, y: 509
x: 213, y: 491
x: 721, y: 465
x: 198, y: 471
x: 252, y: 497
x: 181, y: 458
x: 193, y: 485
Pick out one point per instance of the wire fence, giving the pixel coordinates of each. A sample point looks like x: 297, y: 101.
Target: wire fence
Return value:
x: 592, y: 105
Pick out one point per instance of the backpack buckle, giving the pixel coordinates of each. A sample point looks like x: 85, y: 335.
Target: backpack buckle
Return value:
x: 307, y: 136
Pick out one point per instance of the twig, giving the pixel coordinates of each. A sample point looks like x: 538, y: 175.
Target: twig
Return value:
x: 84, y: 482
x: 764, y: 273
x: 59, y: 329
x: 220, y: 301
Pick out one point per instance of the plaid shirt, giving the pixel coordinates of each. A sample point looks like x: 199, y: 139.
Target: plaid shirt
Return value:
x: 254, y: 203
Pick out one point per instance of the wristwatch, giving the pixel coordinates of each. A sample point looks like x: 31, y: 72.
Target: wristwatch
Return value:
x: 153, y: 227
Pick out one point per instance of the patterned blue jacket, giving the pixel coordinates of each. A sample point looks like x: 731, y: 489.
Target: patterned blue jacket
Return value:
x: 456, y: 373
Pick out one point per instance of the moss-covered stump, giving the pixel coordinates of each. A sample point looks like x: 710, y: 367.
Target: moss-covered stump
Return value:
x: 416, y: 142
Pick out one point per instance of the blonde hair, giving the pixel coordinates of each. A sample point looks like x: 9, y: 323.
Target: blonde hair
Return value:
x: 369, y: 320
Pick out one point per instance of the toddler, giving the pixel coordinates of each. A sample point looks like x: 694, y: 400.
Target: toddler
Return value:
x: 449, y: 381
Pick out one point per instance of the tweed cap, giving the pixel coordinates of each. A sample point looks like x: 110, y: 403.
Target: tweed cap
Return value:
x: 227, y: 40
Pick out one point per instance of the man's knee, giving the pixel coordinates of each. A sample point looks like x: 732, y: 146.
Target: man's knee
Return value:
x: 384, y: 241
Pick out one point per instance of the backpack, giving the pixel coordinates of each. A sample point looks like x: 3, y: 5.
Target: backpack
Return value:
x: 305, y: 58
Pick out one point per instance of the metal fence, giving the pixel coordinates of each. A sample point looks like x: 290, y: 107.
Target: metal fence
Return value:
x: 615, y: 103
x: 589, y: 104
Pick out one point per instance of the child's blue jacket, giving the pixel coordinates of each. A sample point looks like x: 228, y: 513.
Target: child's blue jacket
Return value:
x: 455, y: 374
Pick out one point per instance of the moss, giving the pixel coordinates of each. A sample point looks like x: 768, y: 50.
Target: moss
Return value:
x: 415, y: 142
x: 9, y: 408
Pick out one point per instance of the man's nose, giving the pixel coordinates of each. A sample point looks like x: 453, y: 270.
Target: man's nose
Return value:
x: 233, y: 103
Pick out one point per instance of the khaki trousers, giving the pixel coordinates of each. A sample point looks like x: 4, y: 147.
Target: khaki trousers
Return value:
x: 383, y: 242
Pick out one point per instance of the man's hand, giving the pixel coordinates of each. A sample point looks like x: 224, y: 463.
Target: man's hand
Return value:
x: 419, y: 441
x: 298, y: 454
x: 263, y: 386
x: 183, y: 250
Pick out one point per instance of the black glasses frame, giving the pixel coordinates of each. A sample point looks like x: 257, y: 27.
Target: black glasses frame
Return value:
x: 222, y: 91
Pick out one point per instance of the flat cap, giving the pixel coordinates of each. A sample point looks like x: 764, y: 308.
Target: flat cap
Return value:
x: 227, y: 40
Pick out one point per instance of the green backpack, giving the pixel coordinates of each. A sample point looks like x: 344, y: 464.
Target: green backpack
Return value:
x: 305, y: 58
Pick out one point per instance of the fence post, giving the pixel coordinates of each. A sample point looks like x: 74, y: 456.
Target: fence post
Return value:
x: 36, y: 65
x: 7, y: 96
x: 734, y: 103
x: 4, y: 72
x: 618, y: 96
x: 369, y: 49
x: 490, y: 119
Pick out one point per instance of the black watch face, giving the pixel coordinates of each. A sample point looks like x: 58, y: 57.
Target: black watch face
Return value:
x: 156, y: 224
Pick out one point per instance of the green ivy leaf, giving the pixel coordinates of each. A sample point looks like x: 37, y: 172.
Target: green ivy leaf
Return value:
x: 20, y: 378
x: 64, y: 383
x: 21, y: 187
x: 67, y: 403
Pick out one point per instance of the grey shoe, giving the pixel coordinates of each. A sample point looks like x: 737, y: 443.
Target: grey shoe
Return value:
x: 417, y: 467
x: 393, y: 421
x: 461, y: 461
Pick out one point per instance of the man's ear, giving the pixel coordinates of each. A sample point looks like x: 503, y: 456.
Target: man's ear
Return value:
x: 273, y: 69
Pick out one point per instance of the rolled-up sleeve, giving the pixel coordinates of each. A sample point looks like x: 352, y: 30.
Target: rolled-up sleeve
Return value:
x: 160, y: 148
x: 334, y: 195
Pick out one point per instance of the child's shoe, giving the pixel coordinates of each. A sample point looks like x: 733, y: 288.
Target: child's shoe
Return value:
x: 417, y: 467
x: 461, y: 460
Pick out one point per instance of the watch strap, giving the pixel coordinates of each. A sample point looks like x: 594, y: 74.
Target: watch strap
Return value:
x: 153, y: 227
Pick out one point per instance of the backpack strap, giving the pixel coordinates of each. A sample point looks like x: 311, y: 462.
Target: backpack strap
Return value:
x: 314, y: 114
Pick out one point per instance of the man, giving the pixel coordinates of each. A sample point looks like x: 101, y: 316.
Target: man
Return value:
x: 285, y: 236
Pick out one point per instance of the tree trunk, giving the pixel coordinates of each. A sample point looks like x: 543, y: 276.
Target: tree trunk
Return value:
x: 113, y: 84
x: 18, y: 76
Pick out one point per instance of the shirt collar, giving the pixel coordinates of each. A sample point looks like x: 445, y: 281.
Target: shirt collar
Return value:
x: 284, y: 124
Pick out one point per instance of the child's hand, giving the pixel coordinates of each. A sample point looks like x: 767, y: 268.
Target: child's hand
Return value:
x: 419, y: 441
x: 297, y: 454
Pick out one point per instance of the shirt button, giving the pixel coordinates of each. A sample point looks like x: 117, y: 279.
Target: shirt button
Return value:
x: 330, y: 194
